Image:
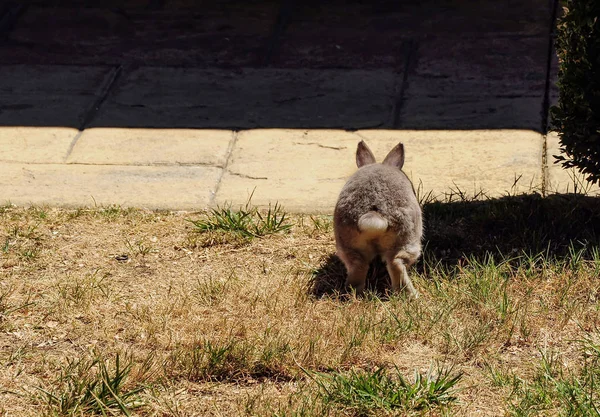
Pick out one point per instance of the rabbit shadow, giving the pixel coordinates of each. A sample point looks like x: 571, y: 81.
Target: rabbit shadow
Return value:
x: 558, y: 227
x: 330, y: 277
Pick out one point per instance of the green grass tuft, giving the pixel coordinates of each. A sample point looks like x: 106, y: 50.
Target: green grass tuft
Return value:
x: 370, y: 392
x: 92, y: 387
x: 248, y: 222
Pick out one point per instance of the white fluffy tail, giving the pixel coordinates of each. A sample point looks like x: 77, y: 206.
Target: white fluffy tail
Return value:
x: 372, y: 222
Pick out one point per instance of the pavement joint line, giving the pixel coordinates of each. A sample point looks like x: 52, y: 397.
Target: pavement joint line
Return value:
x: 228, y: 154
x: 105, y: 90
x: 399, y: 101
x: 545, y: 168
x: 546, y: 100
x: 149, y: 165
x: 550, y: 51
x: 91, y: 113
x: 72, y: 145
x: 281, y: 22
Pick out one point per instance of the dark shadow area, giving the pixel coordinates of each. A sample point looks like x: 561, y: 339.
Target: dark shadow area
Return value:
x: 452, y: 64
x: 508, y: 228
x: 329, y: 279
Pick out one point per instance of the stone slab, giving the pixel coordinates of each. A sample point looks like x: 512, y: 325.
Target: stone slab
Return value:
x: 472, y: 112
x: 179, y: 188
x: 48, y: 95
x: 488, y: 17
x: 500, y: 60
x: 439, y: 162
x: 118, y: 146
x: 304, y: 170
x: 345, y: 34
x: 561, y: 180
x: 35, y: 144
x: 250, y: 98
x: 488, y: 82
x: 211, y: 34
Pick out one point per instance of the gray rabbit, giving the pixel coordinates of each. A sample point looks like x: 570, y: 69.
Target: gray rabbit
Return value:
x: 377, y: 213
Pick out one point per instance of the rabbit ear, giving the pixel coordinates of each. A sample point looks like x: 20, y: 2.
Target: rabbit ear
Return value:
x: 364, y: 156
x: 396, y: 157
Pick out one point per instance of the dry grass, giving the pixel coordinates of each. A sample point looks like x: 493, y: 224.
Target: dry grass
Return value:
x: 217, y: 324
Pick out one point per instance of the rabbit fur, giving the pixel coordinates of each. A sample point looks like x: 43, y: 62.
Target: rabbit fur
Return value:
x: 377, y: 214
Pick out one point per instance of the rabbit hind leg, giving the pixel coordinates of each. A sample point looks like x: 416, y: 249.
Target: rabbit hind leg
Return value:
x: 399, y: 276
x: 357, y: 267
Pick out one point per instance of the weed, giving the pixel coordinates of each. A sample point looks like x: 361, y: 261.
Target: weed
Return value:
x: 318, y: 225
x: 24, y: 241
x: 74, y: 214
x: 392, y: 328
x: 271, y: 358
x: 226, y: 220
x: 211, y: 291
x: 6, y: 207
x: 485, y: 283
x: 273, y: 221
x: 467, y: 339
x: 300, y: 403
x: 572, y: 392
x: 422, y: 197
x: 40, y: 212
x: 208, y: 360
x: 110, y: 212
x: 247, y: 222
x: 80, y: 291
x: 93, y: 386
x: 499, y: 375
x: 139, y: 247
x: 231, y: 360
x: 370, y: 392
x: 7, y: 307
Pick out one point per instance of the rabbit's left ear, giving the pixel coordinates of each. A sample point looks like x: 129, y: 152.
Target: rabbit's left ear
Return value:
x: 396, y: 157
x: 364, y: 156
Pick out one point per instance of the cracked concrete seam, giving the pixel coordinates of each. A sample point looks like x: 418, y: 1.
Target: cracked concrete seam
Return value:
x: 337, y: 148
x: 239, y: 174
x: 228, y: 155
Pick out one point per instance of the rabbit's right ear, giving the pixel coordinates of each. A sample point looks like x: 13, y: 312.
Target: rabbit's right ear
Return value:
x: 396, y: 157
x: 364, y: 156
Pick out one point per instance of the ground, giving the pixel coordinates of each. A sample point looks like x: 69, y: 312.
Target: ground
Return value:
x: 225, y: 323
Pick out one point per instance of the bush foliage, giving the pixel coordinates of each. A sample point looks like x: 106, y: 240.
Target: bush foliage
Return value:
x: 577, y: 115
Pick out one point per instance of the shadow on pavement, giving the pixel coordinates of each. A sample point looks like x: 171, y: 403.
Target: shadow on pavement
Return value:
x: 234, y: 64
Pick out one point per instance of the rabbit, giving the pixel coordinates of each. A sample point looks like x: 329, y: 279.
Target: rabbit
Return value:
x: 377, y: 214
